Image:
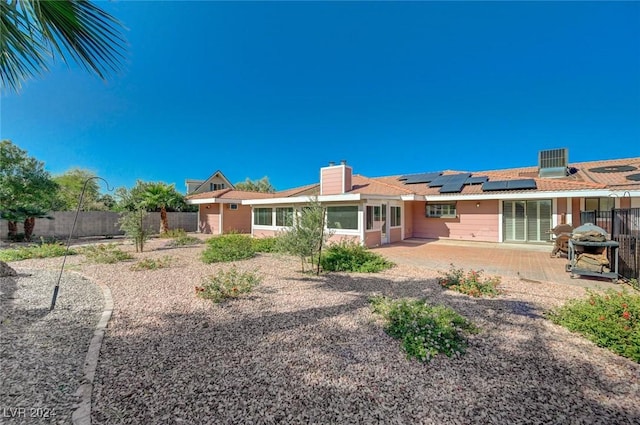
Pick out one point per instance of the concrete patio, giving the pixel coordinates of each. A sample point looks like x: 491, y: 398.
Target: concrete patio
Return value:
x: 529, y: 262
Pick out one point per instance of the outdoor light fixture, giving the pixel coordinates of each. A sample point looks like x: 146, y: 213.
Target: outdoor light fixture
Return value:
x: 477, y: 204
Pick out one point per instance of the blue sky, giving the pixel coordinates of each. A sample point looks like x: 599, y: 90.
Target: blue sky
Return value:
x: 282, y: 88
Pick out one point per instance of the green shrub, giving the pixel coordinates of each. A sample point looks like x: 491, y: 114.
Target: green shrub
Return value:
x: 105, y: 253
x: 152, y: 263
x: 349, y: 256
x: 173, y: 234
x: 470, y: 283
x: 229, y: 247
x: 44, y: 250
x: 184, y: 240
x: 227, y: 284
x: 634, y: 284
x: 424, y: 330
x: 610, y: 320
x: 268, y: 244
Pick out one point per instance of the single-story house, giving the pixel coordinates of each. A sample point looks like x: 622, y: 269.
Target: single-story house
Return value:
x: 509, y: 205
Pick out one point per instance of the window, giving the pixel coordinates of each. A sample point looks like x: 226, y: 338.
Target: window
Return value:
x: 441, y: 210
x: 599, y: 204
x: 284, y: 216
x: 216, y: 186
x: 262, y: 217
x: 233, y: 206
x: 374, y: 215
x: 342, y: 217
x: 396, y: 216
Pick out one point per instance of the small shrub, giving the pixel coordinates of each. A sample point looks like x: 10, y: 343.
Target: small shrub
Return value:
x: 230, y: 247
x: 349, y: 256
x: 268, y: 244
x: 173, y: 234
x: 105, y: 253
x: 470, y: 283
x: 610, y: 320
x: 152, y: 263
x: 227, y: 284
x: 424, y: 330
x: 184, y: 240
x: 45, y: 250
x: 634, y: 284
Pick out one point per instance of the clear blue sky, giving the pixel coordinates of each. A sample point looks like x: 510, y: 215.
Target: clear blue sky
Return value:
x: 282, y: 88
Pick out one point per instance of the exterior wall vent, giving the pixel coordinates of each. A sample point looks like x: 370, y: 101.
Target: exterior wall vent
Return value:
x: 553, y: 163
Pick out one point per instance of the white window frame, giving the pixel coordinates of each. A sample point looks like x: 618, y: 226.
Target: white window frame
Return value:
x: 392, y: 216
x: 441, y: 210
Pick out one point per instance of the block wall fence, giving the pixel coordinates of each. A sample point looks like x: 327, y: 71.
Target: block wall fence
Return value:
x: 99, y: 223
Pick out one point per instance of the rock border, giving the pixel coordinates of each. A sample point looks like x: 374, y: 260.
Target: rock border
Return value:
x: 82, y: 415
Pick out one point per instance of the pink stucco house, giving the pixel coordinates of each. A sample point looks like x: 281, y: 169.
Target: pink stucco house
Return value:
x: 509, y: 205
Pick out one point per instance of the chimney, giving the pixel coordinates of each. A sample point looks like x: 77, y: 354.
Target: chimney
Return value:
x: 335, y: 179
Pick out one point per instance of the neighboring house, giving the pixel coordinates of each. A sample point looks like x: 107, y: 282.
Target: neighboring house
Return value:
x: 217, y: 181
x: 512, y: 205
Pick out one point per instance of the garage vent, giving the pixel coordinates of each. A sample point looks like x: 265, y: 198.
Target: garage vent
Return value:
x: 553, y: 163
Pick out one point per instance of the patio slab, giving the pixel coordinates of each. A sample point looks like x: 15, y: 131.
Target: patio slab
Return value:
x: 528, y: 262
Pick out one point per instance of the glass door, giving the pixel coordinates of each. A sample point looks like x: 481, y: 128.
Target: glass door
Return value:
x: 526, y: 221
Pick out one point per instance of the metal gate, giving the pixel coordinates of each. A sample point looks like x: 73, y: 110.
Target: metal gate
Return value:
x: 625, y: 229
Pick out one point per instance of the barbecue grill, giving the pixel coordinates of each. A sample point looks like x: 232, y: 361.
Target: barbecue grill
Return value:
x: 589, y: 253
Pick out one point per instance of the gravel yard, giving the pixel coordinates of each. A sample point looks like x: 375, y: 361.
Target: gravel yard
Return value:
x: 306, y: 349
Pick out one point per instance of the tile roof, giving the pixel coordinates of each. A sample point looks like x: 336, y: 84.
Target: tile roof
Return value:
x: 582, y: 179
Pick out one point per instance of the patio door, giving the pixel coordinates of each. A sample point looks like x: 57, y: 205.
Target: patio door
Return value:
x: 526, y: 221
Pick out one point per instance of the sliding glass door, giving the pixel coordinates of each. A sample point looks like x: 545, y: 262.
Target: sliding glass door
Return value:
x: 526, y: 221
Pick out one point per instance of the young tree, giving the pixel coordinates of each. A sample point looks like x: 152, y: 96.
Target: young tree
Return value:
x: 308, y: 234
x: 25, y: 187
x: 132, y: 223
x: 262, y: 185
x: 35, y: 31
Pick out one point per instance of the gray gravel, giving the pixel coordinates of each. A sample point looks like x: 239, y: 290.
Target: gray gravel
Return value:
x: 42, y: 352
x: 308, y: 350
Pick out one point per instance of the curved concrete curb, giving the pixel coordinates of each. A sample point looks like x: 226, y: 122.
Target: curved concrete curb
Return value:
x: 82, y: 415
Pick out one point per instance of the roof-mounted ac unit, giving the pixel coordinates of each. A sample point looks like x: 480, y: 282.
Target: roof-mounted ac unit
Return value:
x: 553, y: 163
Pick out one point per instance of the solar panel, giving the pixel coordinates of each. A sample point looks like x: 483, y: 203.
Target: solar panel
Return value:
x: 451, y: 183
x: 509, y: 185
x: 419, y: 178
x: 476, y: 180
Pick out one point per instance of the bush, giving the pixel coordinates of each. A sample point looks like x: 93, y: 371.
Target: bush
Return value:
x: 425, y: 331
x: 105, y: 253
x: 227, y: 284
x: 183, y: 240
x: 470, y: 283
x: 152, y: 263
x: 268, y: 244
x: 173, y: 234
x: 229, y: 247
x: 610, y: 320
x: 44, y: 250
x: 349, y: 256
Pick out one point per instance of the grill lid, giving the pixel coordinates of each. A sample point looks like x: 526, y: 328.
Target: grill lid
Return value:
x: 589, y: 232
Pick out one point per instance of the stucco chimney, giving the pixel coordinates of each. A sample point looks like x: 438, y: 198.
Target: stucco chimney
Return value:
x: 335, y: 179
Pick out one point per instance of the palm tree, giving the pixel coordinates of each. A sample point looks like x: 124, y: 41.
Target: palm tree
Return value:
x: 35, y: 31
x: 162, y: 196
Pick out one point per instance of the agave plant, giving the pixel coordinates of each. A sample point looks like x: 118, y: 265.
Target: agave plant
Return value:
x: 34, y: 32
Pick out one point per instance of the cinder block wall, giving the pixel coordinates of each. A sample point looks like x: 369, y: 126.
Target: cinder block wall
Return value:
x: 99, y: 223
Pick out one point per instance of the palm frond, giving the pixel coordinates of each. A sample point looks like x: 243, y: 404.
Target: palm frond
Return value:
x: 33, y: 31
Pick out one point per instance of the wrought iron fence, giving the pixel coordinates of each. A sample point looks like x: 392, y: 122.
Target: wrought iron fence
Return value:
x: 625, y: 229
x: 599, y: 218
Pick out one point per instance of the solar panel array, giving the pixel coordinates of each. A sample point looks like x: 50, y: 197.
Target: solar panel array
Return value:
x: 509, y: 185
x: 419, y: 178
x: 454, y: 183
